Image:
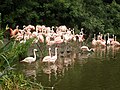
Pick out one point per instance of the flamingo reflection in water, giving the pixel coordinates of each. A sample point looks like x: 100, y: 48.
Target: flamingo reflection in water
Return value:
x: 30, y: 73
x: 49, y: 70
x: 30, y: 70
x: 67, y: 61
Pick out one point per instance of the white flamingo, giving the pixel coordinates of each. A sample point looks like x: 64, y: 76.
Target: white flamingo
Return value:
x: 85, y: 48
x: 108, y: 41
x: 54, y: 58
x: 30, y: 59
x: 47, y: 58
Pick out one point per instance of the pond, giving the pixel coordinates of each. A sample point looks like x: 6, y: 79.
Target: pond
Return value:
x: 73, y: 70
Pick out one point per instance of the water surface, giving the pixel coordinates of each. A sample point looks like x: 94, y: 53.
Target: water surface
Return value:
x: 73, y: 70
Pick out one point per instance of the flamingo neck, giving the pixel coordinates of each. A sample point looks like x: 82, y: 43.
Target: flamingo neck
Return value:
x: 25, y: 37
x: 90, y: 49
x: 11, y: 31
x: 73, y: 32
x: 115, y: 38
x: 49, y: 52
x: 34, y: 55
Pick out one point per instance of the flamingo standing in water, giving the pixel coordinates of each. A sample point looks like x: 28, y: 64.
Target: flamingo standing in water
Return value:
x: 85, y: 48
x: 115, y: 43
x: 94, y: 41
x: 30, y: 59
x: 47, y: 58
x: 54, y: 58
x: 108, y: 41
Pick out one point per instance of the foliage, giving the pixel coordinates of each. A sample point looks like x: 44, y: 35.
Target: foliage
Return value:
x: 9, y: 80
x: 13, y: 51
x: 93, y: 15
x: 15, y: 81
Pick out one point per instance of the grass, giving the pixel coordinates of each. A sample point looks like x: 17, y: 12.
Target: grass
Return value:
x: 11, y: 52
x: 15, y: 81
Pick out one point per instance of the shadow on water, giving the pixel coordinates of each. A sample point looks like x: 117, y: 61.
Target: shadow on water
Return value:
x: 73, y: 70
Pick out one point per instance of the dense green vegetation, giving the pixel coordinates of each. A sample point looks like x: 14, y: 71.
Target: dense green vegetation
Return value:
x: 15, y: 81
x: 93, y: 15
x: 10, y: 53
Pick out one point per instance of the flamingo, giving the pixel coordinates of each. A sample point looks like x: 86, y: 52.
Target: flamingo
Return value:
x: 30, y: 59
x: 94, y: 41
x: 81, y: 32
x: 47, y: 58
x: 49, y: 42
x: 99, y: 36
x: 111, y: 39
x: 54, y: 58
x: 103, y: 43
x: 85, y: 48
x: 116, y: 43
x: 47, y: 70
x: 58, y: 40
x: 41, y: 38
x: 108, y: 41
x: 13, y: 32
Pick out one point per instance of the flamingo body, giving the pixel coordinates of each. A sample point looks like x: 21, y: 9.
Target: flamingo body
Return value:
x: 54, y: 58
x: 30, y: 59
x: 13, y: 32
x: 47, y: 58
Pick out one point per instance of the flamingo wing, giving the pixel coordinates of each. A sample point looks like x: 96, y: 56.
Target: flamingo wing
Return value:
x: 53, y: 59
x: 46, y: 58
x: 28, y: 59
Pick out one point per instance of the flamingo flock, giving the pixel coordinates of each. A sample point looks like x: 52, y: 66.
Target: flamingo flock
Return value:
x: 38, y: 32
x: 104, y: 40
x: 58, y: 35
x: 62, y: 34
x: 41, y: 33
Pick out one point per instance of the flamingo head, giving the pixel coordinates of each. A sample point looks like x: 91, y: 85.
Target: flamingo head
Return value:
x: 49, y: 49
x: 35, y: 50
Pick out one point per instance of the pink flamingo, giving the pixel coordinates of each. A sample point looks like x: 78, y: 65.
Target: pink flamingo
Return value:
x: 49, y: 41
x: 58, y: 40
x: 94, y: 42
x: 13, y: 32
x: 103, y: 43
x: 41, y: 38
x: 115, y: 43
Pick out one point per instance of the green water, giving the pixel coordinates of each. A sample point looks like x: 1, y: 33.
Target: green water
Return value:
x: 99, y: 70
